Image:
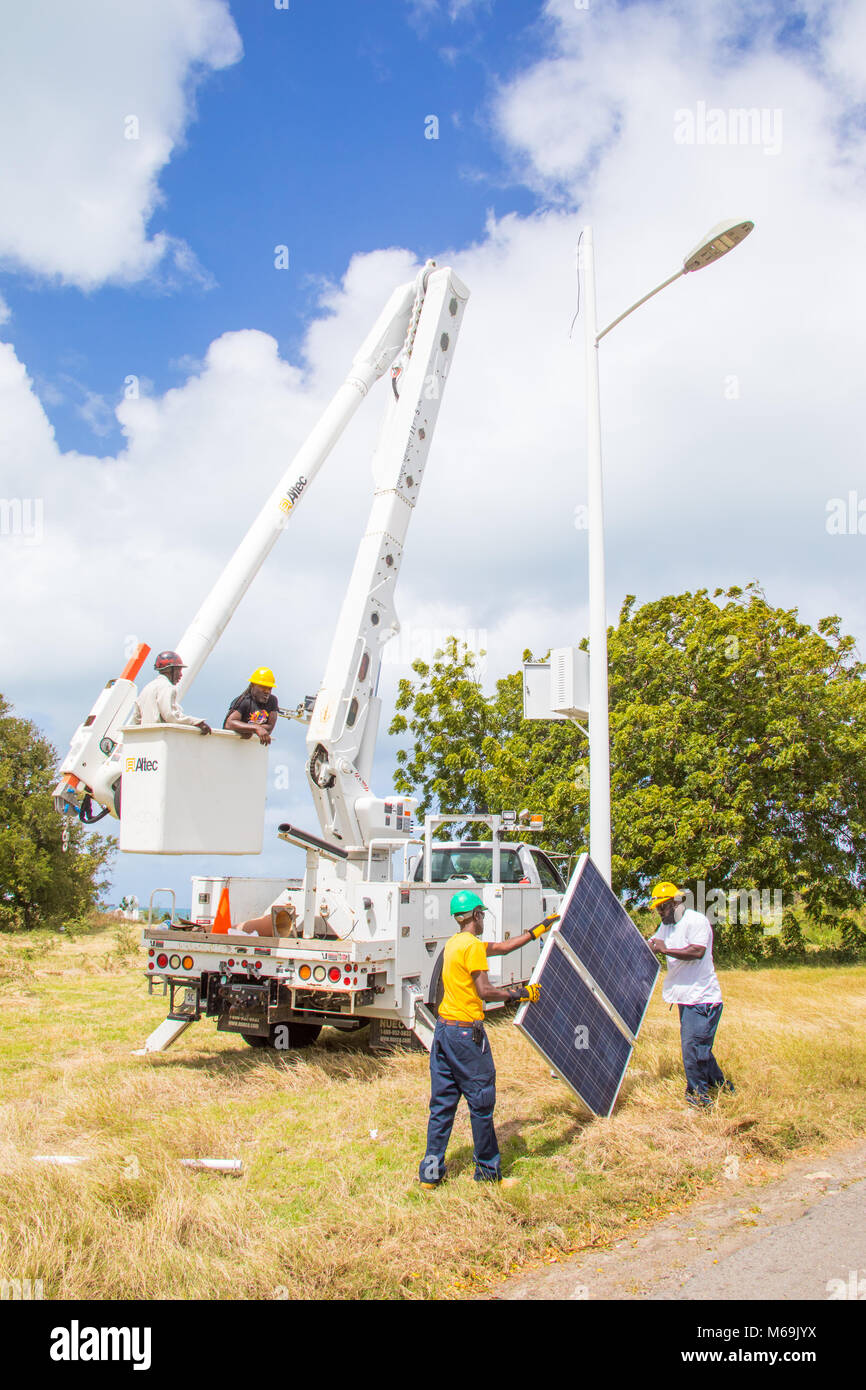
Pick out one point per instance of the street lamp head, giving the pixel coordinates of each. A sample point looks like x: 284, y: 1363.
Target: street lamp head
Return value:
x: 717, y: 243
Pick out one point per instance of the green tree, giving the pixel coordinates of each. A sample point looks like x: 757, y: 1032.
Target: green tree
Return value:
x: 455, y: 729
x: 40, y: 883
x: 738, y: 749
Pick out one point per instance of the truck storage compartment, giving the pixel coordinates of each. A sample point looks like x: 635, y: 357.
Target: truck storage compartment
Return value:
x: 248, y: 896
x: 184, y: 792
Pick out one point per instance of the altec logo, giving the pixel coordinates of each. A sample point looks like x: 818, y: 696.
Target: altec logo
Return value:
x: 142, y: 765
x: 75, y: 1343
x: 293, y: 494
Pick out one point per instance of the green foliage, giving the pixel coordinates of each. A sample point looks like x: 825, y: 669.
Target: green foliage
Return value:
x: 454, y: 727
x: 477, y: 754
x: 853, y: 939
x: 127, y: 943
x: 740, y: 942
x: 75, y: 927
x: 792, y: 933
x: 738, y: 750
x: 40, y: 884
x: 739, y: 736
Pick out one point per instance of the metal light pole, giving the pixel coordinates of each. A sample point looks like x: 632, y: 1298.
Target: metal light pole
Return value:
x: 712, y: 247
x: 599, y: 723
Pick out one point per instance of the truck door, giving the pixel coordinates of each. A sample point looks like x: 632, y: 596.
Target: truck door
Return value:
x: 552, y: 886
x: 505, y: 970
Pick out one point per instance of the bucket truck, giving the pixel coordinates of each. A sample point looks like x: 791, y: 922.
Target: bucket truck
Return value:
x: 358, y: 939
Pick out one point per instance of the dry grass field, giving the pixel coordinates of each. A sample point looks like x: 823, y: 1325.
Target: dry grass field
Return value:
x: 330, y: 1138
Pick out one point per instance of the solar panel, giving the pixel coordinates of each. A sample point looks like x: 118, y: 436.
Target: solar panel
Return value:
x: 576, y: 1034
x: 597, y: 975
x: 594, y: 923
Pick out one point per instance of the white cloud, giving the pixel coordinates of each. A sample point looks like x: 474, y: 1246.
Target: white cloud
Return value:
x: 96, y: 412
x: 95, y: 97
x: 422, y: 11
x: 731, y: 404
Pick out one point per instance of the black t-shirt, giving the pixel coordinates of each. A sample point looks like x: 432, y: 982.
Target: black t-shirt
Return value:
x: 250, y: 711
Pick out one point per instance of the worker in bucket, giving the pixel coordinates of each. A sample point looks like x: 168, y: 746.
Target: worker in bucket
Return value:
x: 461, y: 1063
x: 685, y: 939
x: 157, y: 703
x: 255, y: 710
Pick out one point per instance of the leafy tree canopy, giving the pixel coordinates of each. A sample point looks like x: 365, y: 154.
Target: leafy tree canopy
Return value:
x: 40, y: 883
x: 738, y: 749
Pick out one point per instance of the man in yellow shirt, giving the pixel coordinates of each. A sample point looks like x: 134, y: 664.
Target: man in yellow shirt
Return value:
x: 461, y: 1063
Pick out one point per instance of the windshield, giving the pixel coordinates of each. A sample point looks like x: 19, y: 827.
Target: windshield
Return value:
x: 475, y: 864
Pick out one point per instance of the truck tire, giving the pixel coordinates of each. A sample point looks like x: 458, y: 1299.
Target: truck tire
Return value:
x: 299, y: 1035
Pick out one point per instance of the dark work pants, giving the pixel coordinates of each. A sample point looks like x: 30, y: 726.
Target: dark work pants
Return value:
x: 459, y: 1067
x: 698, y: 1024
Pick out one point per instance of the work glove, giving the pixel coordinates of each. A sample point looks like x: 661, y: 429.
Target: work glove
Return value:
x: 527, y: 994
x: 541, y: 927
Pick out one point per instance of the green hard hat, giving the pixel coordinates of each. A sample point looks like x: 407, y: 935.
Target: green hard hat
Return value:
x: 465, y: 902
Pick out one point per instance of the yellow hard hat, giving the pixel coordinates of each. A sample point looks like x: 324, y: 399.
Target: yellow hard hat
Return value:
x: 263, y: 675
x: 663, y: 892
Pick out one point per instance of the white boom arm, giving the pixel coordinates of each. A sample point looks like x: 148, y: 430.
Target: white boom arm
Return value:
x: 373, y: 359
x: 93, y: 765
x: 342, y: 733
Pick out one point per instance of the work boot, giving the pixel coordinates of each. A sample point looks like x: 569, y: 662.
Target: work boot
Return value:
x: 699, y: 1100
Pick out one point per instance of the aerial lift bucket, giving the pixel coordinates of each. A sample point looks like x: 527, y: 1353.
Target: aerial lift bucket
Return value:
x: 184, y: 792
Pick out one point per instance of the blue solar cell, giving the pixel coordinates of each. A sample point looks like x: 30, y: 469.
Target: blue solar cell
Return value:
x: 575, y: 1033
x: 580, y: 1020
x: 602, y: 935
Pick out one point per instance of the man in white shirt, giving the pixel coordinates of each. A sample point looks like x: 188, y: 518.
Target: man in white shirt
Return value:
x: 685, y: 939
x: 157, y: 703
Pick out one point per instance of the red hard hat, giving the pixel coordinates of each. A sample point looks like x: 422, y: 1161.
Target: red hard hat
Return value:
x: 166, y: 660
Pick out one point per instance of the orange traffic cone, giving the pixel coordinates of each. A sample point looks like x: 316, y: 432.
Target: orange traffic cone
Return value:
x: 223, y: 919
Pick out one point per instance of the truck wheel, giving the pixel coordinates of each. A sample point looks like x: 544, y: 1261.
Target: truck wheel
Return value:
x: 296, y: 1034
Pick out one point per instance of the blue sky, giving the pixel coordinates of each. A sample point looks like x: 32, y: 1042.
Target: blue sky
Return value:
x: 314, y: 140
x: 732, y: 405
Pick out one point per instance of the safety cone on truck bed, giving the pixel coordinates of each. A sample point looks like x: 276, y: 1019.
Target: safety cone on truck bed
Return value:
x: 223, y: 919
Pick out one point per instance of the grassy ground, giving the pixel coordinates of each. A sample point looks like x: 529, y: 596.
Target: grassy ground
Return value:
x: 331, y: 1139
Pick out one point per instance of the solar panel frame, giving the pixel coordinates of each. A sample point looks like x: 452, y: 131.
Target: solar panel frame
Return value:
x: 630, y: 948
